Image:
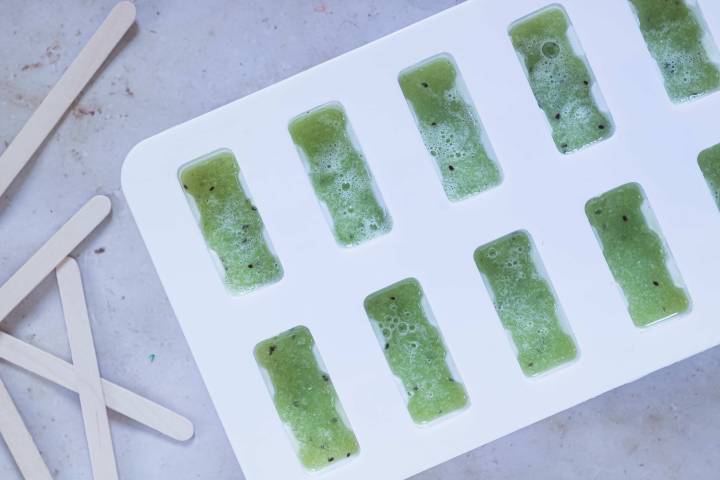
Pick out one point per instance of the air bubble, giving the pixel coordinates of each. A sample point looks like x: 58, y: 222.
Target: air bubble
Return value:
x: 550, y: 49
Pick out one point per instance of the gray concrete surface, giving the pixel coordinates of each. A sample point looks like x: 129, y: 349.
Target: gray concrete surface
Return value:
x: 183, y: 59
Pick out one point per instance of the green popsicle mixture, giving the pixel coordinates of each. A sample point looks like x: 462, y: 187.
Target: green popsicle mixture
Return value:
x: 415, y: 351
x: 636, y: 255
x: 674, y: 35
x: 305, y: 399
x: 230, y: 223
x: 709, y: 161
x: 339, y: 174
x: 525, y: 303
x: 450, y: 127
x: 560, y: 80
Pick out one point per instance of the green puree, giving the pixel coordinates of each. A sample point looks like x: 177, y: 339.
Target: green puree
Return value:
x: 560, y: 80
x: 674, y: 36
x: 340, y: 175
x: 230, y: 223
x: 525, y: 302
x: 305, y: 399
x: 450, y: 127
x: 709, y: 161
x: 636, y: 255
x: 415, y: 351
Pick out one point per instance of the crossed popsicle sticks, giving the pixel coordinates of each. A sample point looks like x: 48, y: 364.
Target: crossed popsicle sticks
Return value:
x: 83, y: 375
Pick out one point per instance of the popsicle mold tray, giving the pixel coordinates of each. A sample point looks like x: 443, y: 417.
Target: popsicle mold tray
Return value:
x: 541, y: 190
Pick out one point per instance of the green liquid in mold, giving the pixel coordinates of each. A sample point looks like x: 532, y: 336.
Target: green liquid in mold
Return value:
x: 230, y: 223
x: 709, y: 161
x: 525, y: 303
x: 560, y: 79
x: 339, y: 175
x: 305, y: 399
x: 674, y: 35
x: 415, y: 351
x: 636, y: 255
x: 450, y: 127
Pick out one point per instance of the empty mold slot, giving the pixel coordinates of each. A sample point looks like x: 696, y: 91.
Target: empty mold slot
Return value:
x: 637, y: 255
x: 415, y: 351
x: 450, y: 127
x: 678, y: 39
x: 339, y: 175
x: 230, y: 222
x: 305, y: 399
x: 561, y: 79
x: 526, y: 303
x: 709, y: 162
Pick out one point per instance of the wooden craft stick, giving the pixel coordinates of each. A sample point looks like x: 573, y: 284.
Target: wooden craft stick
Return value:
x: 117, y: 398
x: 52, y: 253
x: 18, y: 439
x: 82, y: 348
x: 64, y: 93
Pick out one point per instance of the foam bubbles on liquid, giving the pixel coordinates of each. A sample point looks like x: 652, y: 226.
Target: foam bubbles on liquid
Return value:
x: 560, y: 80
x: 415, y: 352
x: 525, y: 303
x: 449, y: 127
x: 231, y: 225
x: 341, y: 178
x: 682, y: 48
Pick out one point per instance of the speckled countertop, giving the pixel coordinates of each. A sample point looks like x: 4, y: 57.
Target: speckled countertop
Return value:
x: 183, y: 59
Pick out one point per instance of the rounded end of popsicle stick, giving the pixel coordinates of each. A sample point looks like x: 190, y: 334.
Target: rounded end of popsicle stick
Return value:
x: 186, y: 430
x: 68, y: 263
x: 101, y: 203
x: 126, y: 10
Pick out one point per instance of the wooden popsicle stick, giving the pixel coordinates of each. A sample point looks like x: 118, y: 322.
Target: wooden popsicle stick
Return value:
x: 90, y: 390
x: 64, y: 93
x: 18, y: 439
x: 52, y: 253
x: 117, y: 398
